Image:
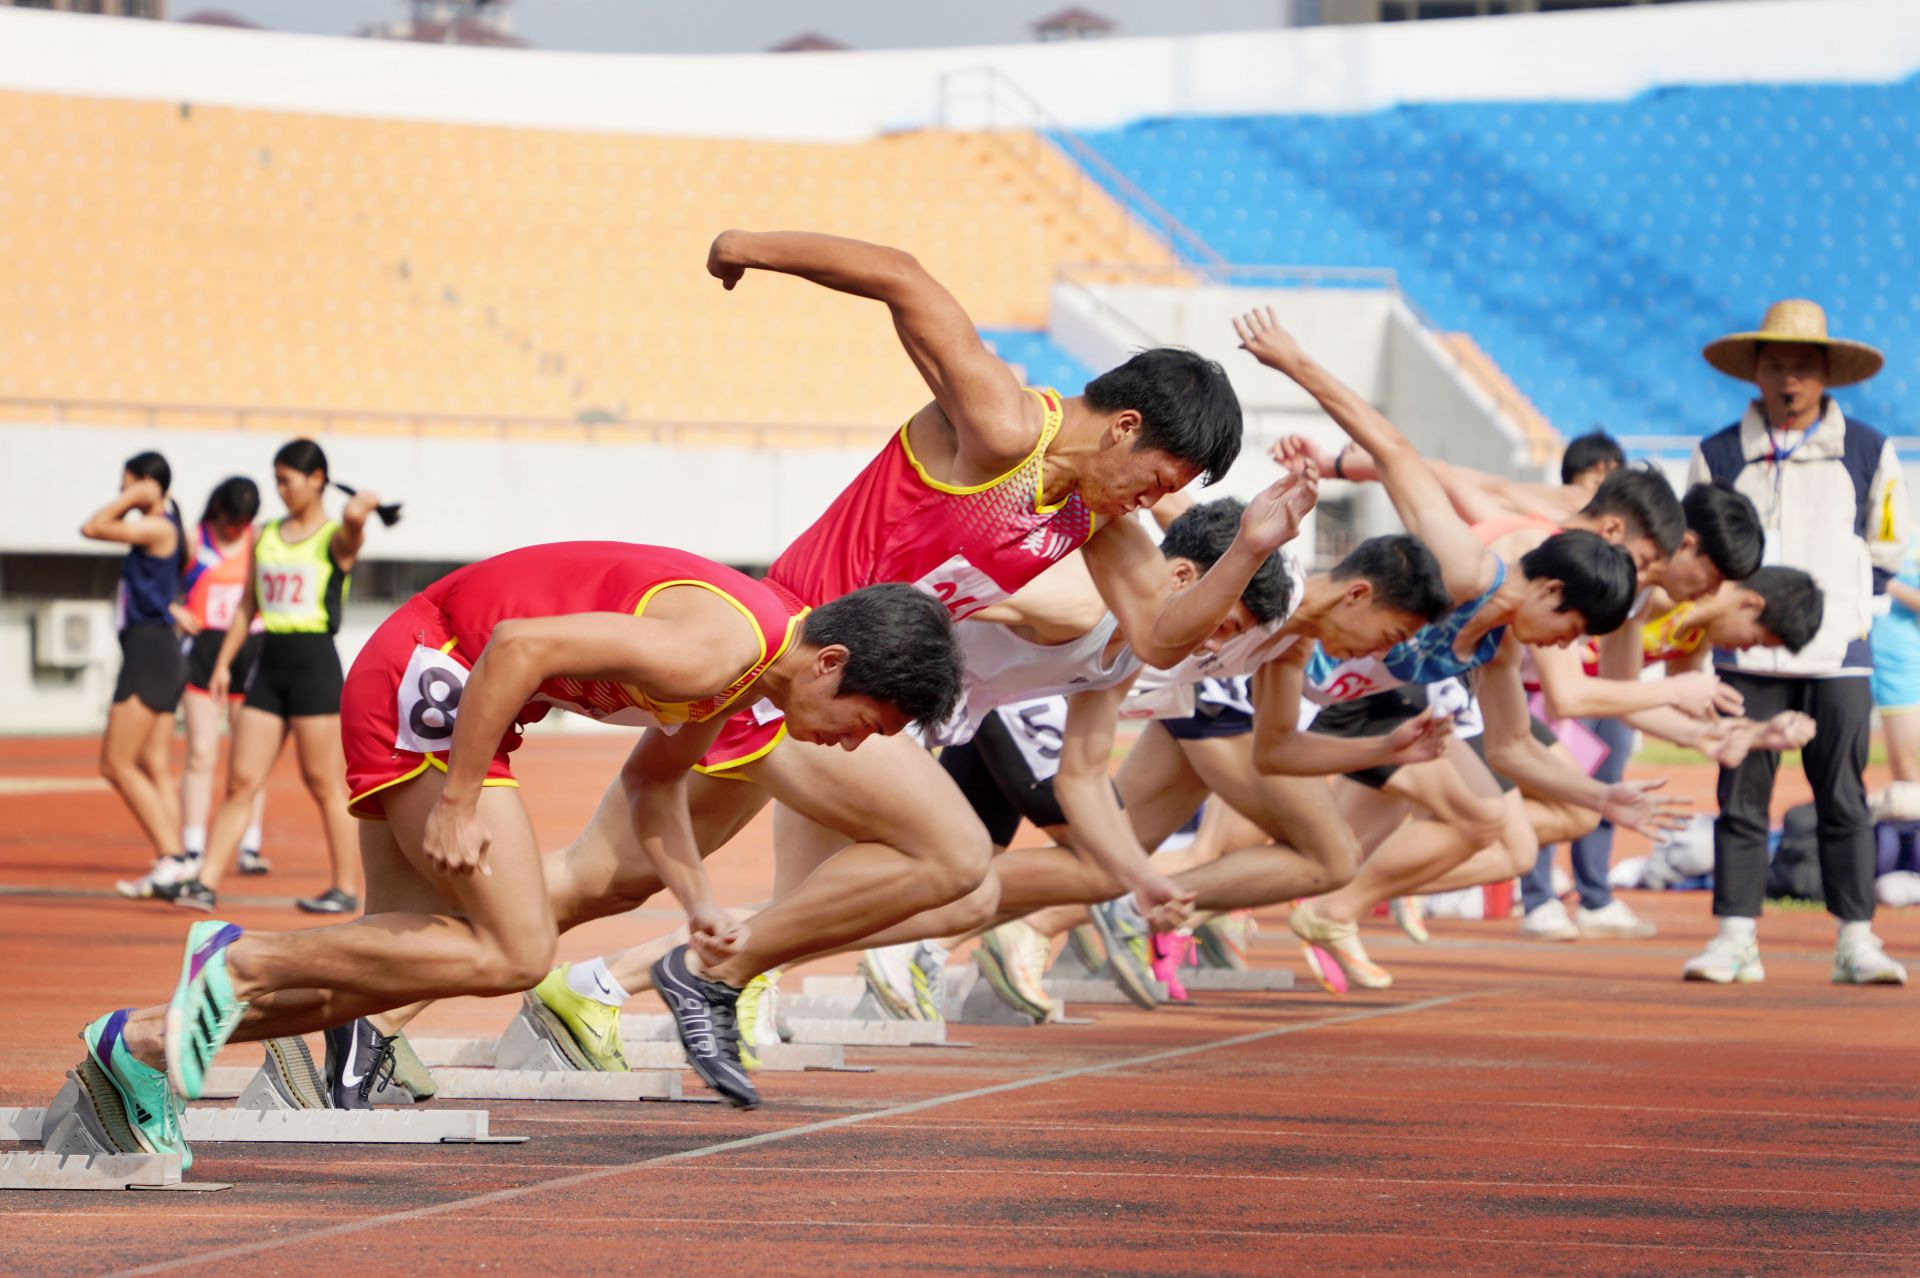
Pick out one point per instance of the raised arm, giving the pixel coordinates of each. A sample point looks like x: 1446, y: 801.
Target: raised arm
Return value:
x: 1282, y: 748
x: 1163, y: 627
x: 110, y: 523
x: 975, y: 389
x: 1084, y: 786
x: 1416, y: 493
x: 351, y: 535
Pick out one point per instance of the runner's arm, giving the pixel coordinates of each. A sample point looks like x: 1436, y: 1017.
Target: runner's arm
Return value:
x: 1572, y: 693
x: 1163, y: 626
x: 974, y: 387
x: 1416, y: 493
x: 654, y: 780
x: 351, y: 535
x: 110, y: 522
x: 1282, y: 748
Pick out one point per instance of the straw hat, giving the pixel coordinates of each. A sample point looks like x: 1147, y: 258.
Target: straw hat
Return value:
x: 1795, y: 320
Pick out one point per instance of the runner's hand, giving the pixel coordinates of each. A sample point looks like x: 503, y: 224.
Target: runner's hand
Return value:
x: 456, y: 839
x: 714, y: 935
x: 1696, y: 694
x: 1262, y: 337
x: 1294, y: 451
x: 1727, y: 699
x: 1162, y: 904
x: 1788, y: 730
x: 1273, y: 517
x: 1420, y: 740
x: 720, y: 263
x: 186, y: 621
x: 1633, y: 806
x: 220, y: 682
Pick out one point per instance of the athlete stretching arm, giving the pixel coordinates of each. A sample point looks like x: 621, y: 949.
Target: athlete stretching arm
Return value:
x: 691, y: 650
x: 1280, y: 748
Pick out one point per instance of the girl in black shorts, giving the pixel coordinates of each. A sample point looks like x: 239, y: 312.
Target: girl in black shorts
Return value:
x: 297, y: 586
x: 134, y: 751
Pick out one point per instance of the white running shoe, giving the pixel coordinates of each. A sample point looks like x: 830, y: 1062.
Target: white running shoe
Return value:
x: 1028, y: 951
x: 1863, y: 962
x: 166, y: 871
x: 889, y: 970
x: 1613, y: 920
x: 1727, y: 961
x: 1549, y: 922
x: 929, y: 979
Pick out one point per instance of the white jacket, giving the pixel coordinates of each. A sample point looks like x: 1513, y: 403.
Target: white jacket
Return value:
x: 1835, y: 506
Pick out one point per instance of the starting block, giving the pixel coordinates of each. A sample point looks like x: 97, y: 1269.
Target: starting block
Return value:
x: 81, y: 1134
x: 1069, y: 978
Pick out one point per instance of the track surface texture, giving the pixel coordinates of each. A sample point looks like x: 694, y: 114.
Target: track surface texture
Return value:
x: 1508, y: 1108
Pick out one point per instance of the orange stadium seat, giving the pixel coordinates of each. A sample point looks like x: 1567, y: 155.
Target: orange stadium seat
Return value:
x: 216, y: 257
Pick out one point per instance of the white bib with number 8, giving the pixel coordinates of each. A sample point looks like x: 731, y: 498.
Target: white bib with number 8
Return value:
x: 429, y: 701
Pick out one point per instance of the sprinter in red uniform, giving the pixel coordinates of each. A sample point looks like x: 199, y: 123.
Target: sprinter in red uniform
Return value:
x: 632, y: 634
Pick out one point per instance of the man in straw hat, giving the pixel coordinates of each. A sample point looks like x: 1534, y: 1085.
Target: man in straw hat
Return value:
x: 1832, y: 502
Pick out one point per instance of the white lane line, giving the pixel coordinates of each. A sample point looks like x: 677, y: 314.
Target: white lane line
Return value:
x: 788, y: 1133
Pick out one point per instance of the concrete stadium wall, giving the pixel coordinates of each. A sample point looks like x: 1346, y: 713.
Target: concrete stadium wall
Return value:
x: 1085, y: 84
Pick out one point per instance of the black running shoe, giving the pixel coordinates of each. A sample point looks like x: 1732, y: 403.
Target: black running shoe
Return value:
x: 703, y: 1011
x: 331, y: 901
x: 189, y: 894
x: 358, y: 1056
x: 251, y: 862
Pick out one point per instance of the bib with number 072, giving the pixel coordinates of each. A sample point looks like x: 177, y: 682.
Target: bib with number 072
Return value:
x: 428, y: 701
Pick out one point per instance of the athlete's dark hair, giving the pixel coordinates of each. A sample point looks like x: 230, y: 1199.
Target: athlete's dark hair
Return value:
x: 1584, y: 452
x: 1794, y: 605
x: 1727, y: 528
x: 1403, y: 572
x: 1642, y: 497
x: 1205, y: 532
x: 1596, y: 577
x: 151, y: 465
x: 232, y: 501
x: 308, y: 458
x: 1186, y: 404
x: 901, y: 648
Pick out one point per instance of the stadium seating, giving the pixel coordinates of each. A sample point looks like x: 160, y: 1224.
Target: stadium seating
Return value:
x: 1590, y: 248
x: 175, y: 254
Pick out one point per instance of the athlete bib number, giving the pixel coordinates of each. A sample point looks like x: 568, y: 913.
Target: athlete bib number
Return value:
x: 428, y: 702
x: 223, y: 600
x: 963, y: 588
x: 1038, y: 729
x: 290, y: 588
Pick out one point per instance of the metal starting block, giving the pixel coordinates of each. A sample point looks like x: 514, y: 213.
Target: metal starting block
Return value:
x: 1258, y: 979
x: 967, y: 999
x: 82, y: 1133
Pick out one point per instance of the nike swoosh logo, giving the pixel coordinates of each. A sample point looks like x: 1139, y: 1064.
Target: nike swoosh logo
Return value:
x: 347, y: 1075
x: 604, y: 987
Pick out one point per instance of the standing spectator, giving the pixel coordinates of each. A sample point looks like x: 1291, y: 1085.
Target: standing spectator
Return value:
x: 1832, y: 502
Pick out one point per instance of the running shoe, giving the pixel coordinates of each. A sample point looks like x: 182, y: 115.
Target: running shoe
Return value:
x: 203, y: 1012
x: 1727, y: 961
x: 1613, y: 921
x: 705, y: 1013
x: 151, y: 1122
x: 590, y: 1026
x: 1124, y: 934
x: 929, y: 979
x: 1087, y: 946
x: 1223, y: 939
x: 358, y: 1057
x: 410, y: 1073
x: 1410, y: 912
x: 1325, y: 939
x: 188, y: 894
x: 251, y: 862
x: 994, y: 959
x: 1170, y: 950
x: 1019, y: 955
x: 1549, y: 921
x: 165, y: 872
x: 1861, y: 961
x: 756, y: 1013
x: 331, y: 901
x: 889, y: 972
x: 289, y: 1071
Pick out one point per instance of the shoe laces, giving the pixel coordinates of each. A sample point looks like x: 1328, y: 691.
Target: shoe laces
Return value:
x: 383, y: 1066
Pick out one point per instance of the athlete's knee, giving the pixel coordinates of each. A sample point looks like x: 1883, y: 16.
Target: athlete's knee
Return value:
x: 202, y: 756
x: 977, y: 908
x: 1479, y: 819
x: 515, y: 964
x: 115, y: 770
x: 963, y: 864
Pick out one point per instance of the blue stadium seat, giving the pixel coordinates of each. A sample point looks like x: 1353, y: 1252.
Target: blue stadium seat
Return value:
x: 1591, y: 247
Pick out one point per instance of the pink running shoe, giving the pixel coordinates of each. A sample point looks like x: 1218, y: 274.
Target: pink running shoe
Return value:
x: 1170, y: 950
x: 1332, y: 976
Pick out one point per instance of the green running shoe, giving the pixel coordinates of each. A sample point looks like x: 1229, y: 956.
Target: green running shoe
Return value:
x: 591, y: 1028
x: 410, y: 1073
x: 153, y: 1116
x: 755, y: 1012
x: 204, y: 1012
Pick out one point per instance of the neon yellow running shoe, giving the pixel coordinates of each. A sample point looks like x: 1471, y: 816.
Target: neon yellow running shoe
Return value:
x: 756, y: 1012
x: 593, y: 1025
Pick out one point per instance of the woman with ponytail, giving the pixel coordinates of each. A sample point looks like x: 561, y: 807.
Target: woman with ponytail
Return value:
x: 134, y: 751
x: 297, y: 585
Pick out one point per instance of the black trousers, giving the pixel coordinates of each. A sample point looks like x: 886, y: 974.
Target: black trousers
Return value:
x: 1834, y: 761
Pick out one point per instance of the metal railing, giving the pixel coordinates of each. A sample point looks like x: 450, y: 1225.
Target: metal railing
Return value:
x: 277, y: 420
